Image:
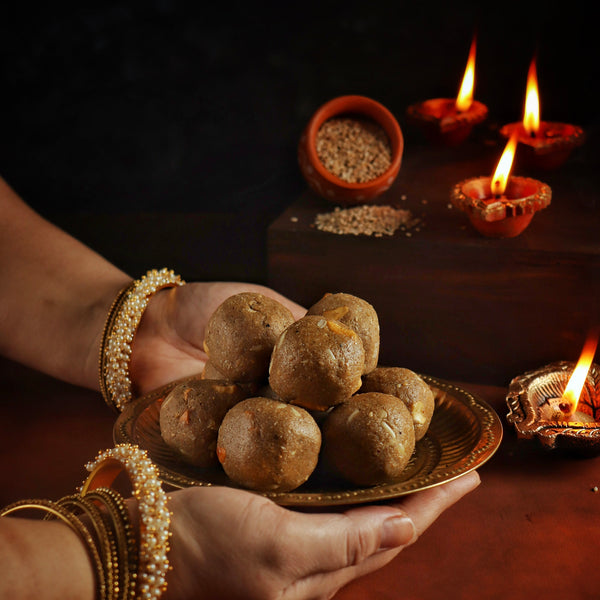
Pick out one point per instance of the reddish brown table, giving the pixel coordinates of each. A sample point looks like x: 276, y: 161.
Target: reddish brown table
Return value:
x: 529, y: 531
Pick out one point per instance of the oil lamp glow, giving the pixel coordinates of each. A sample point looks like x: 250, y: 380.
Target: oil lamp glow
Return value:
x: 501, y: 206
x: 559, y: 404
x: 570, y: 406
x: 545, y: 145
x: 450, y: 120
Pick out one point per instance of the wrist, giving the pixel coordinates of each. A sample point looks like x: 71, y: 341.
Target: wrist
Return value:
x: 94, y: 317
x: 116, y: 546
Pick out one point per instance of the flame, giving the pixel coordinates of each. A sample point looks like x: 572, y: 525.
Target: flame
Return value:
x: 500, y: 178
x: 577, y: 379
x: 531, y: 116
x: 465, y: 94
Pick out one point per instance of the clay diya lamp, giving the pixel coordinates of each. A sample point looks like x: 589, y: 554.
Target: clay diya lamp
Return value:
x: 559, y: 404
x: 501, y: 206
x: 543, y: 144
x: 329, y: 185
x: 450, y: 121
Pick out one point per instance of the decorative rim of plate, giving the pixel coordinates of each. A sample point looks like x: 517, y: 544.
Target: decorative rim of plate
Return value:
x: 483, y: 433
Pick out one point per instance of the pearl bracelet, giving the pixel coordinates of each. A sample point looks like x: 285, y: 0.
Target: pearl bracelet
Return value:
x: 117, y: 339
x: 155, y: 517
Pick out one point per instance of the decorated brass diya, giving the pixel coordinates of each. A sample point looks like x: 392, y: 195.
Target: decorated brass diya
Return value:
x: 450, y: 121
x: 542, y: 144
x: 559, y: 404
x: 501, y: 206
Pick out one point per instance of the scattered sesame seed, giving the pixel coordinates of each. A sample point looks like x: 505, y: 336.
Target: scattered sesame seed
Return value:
x: 373, y: 220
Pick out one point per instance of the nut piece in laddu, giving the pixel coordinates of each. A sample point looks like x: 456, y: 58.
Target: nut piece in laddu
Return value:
x: 356, y: 313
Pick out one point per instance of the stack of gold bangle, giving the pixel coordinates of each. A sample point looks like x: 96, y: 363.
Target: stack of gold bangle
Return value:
x: 126, y: 567
x: 123, y: 320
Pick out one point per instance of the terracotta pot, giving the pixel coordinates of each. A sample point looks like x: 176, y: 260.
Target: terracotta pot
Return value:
x: 326, y: 184
x: 550, y: 148
x: 441, y: 123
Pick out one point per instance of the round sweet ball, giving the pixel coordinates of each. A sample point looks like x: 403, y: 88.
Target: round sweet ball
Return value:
x: 267, y: 445
x: 190, y: 417
x: 317, y: 363
x: 356, y: 313
x: 241, y: 333
x: 369, y: 439
x: 410, y: 388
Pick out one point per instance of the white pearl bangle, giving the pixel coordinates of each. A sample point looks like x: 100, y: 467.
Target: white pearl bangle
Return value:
x: 155, y: 516
x: 121, y: 324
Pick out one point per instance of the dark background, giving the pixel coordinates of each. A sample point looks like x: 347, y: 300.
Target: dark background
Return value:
x: 124, y: 121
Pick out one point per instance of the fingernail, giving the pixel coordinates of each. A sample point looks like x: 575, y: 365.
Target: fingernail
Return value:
x: 398, y: 530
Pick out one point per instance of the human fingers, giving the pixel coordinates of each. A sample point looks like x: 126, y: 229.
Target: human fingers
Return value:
x: 426, y: 506
x: 271, y: 551
x: 365, y: 530
x: 325, y: 551
x: 393, y: 530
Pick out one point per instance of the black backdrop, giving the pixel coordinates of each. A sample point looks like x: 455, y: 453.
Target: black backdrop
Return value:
x: 166, y: 107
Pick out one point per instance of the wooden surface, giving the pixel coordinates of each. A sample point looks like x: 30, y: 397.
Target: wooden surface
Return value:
x: 529, y: 530
x: 453, y: 303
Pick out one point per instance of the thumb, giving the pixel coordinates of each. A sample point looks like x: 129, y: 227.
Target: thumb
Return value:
x: 336, y: 548
x: 338, y: 540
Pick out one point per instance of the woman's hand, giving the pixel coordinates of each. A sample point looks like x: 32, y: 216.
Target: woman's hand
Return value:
x: 168, y: 343
x: 231, y: 544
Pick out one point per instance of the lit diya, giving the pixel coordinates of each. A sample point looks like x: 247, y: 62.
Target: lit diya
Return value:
x: 544, y: 144
x: 448, y: 120
x: 560, y: 403
x: 501, y: 206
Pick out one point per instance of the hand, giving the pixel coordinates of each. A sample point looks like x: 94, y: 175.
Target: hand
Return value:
x: 168, y: 343
x: 231, y: 544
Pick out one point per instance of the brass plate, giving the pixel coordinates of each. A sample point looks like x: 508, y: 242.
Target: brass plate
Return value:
x: 464, y: 433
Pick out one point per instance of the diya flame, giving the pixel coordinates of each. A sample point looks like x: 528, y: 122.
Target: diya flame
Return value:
x: 502, y: 172
x: 570, y: 397
x: 531, y: 114
x: 465, y: 93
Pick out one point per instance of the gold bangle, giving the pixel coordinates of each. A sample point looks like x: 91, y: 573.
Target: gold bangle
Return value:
x: 126, y: 539
x: 104, y: 540
x: 155, y: 517
x: 57, y: 511
x: 121, y: 324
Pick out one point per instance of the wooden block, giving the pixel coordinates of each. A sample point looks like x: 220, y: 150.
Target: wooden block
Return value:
x: 452, y: 303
